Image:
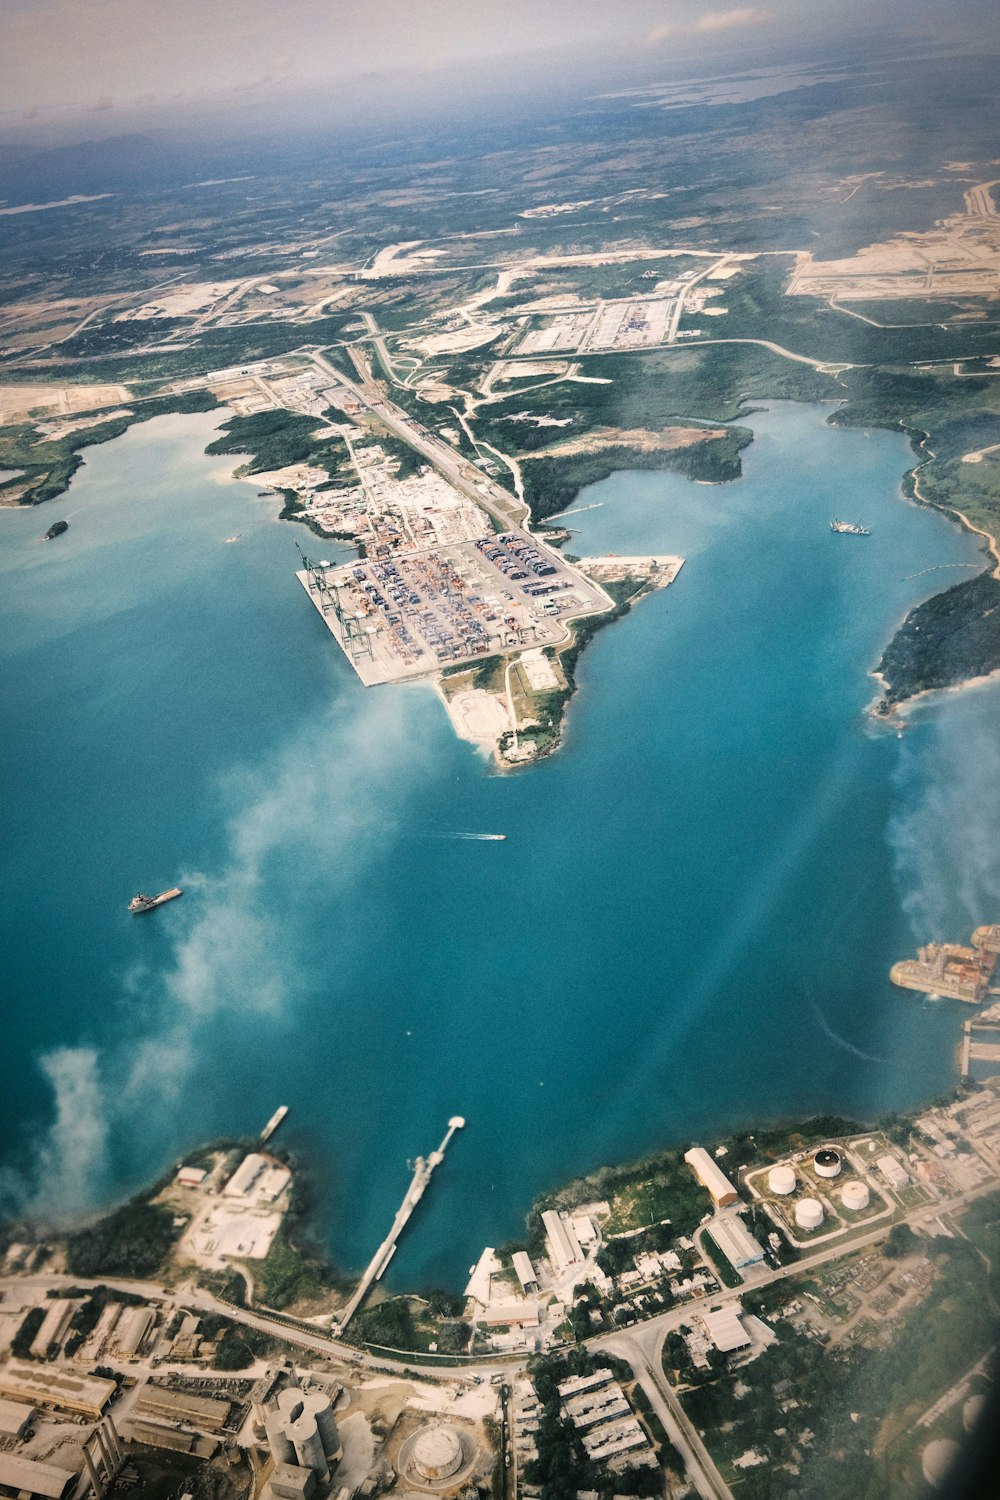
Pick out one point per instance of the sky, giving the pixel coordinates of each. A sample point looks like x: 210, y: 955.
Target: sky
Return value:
x: 102, y: 57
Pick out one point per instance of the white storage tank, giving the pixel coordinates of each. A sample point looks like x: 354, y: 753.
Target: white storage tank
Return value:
x: 855, y: 1196
x: 781, y: 1180
x: 827, y: 1162
x: 809, y: 1213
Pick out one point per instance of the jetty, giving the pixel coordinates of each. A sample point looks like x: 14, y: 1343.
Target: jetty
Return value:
x: 422, y: 1170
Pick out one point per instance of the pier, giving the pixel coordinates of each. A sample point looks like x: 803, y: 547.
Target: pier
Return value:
x: 422, y: 1171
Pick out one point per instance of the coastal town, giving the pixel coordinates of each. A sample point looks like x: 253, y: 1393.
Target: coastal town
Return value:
x: 598, y: 1339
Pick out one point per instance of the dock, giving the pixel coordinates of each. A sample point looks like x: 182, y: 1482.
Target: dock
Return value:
x: 422, y: 1170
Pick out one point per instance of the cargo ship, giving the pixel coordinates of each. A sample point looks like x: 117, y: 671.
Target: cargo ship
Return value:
x: 849, y: 528
x: 951, y: 971
x: 139, y: 902
x: 274, y: 1122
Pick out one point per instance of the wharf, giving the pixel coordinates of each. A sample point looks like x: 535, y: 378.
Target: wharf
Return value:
x: 422, y: 1171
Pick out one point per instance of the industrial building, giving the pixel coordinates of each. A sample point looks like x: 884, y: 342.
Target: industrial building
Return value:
x: 711, y: 1177
x: 726, y: 1330
x: 524, y: 1271
x: 893, y: 1171
x: 207, y: 1412
x: 15, y: 1419
x: 190, y: 1177
x: 737, y: 1243
x: 258, y: 1178
x: 23, y: 1476
x: 560, y: 1236
x: 37, y: 1385
x: 512, y: 1315
x: 133, y: 1329
x: 54, y: 1326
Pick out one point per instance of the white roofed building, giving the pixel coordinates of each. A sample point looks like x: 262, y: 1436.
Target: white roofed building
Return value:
x: 726, y: 1330
x: 736, y: 1242
x: 524, y: 1271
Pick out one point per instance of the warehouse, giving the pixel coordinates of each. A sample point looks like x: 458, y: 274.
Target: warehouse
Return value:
x: 15, y: 1419
x: 710, y: 1177
x: 524, y: 1271
x: 208, y: 1412
x: 737, y: 1243
x: 726, y: 1330
x: 81, y: 1395
x: 23, y: 1476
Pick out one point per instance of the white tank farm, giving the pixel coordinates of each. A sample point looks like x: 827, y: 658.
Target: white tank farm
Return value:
x: 437, y: 1453
x: 855, y: 1196
x: 827, y: 1162
x: 782, y: 1180
x: 809, y: 1213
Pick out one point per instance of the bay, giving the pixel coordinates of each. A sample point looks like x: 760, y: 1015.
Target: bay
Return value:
x: 688, y: 928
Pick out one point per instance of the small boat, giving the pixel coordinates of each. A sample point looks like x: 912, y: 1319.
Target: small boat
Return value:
x: 849, y: 528
x: 140, y: 903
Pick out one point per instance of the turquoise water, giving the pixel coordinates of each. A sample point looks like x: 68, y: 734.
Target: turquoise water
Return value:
x: 688, y: 927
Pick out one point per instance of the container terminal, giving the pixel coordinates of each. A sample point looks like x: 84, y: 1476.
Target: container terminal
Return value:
x: 951, y: 971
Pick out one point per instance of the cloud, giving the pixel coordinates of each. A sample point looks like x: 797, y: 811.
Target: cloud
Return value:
x: 728, y: 20
x: 946, y: 860
x: 713, y: 21
x: 72, y: 1164
x: 323, y: 810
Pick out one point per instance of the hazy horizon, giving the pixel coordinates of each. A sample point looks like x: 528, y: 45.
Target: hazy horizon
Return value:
x: 90, y: 70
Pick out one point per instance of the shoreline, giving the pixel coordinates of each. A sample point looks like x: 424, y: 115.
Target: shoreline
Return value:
x: 895, y: 716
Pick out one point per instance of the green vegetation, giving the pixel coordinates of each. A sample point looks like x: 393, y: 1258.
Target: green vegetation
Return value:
x: 390, y: 1324
x: 901, y: 1242
x: 720, y: 1265
x: 240, y: 1346
x: 288, y: 1274
x: 272, y: 439
x: 132, y: 1241
x: 27, y: 1333
x: 949, y: 639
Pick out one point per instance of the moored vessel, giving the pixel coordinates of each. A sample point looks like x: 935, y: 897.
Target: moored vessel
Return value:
x: 849, y: 528
x: 139, y: 902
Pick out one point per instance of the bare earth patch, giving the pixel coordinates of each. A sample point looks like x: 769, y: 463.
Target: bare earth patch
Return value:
x: 639, y: 437
x: 16, y: 401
